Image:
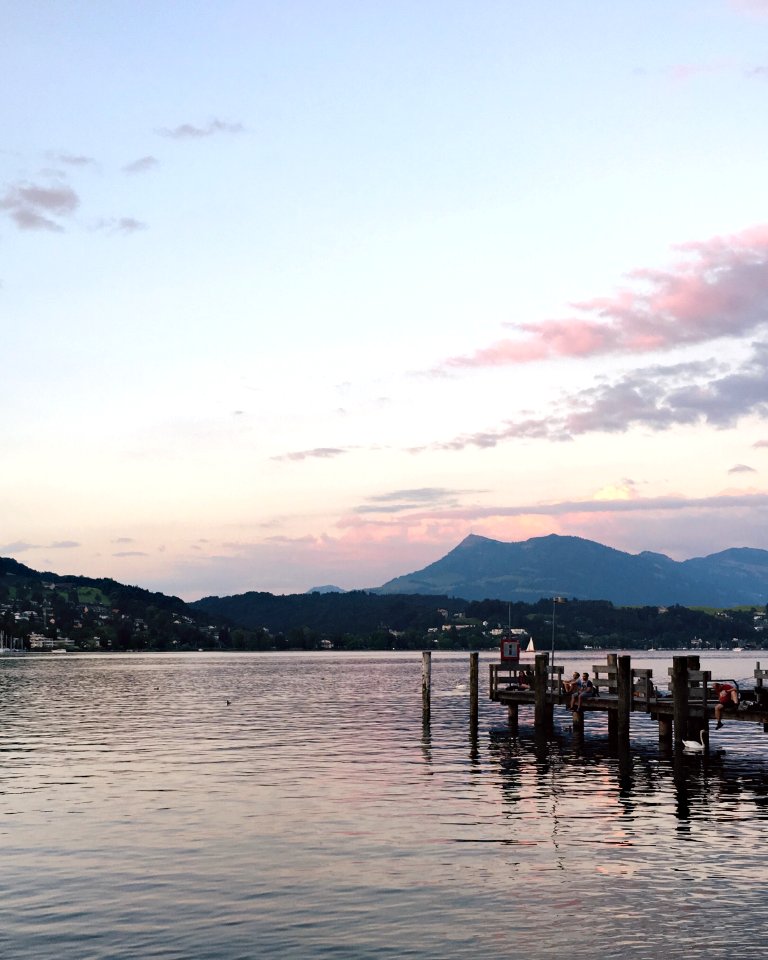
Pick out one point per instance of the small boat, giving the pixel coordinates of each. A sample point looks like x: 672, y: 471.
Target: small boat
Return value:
x: 530, y: 648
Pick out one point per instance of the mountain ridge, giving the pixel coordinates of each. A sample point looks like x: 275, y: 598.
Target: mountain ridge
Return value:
x: 480, y: 568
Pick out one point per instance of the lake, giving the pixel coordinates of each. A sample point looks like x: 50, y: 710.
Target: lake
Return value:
x: 314, y: 816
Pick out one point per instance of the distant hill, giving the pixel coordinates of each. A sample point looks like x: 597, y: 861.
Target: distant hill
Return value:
x: 356, y: 611
x: 481, y: 568
x: 16, y: 578
x: 328, y: 588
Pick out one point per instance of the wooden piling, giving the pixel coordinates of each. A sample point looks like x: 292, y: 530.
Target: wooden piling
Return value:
x: 474, y: 674
x: 542, y: 704
x: 613, y: 715
x: 680, y: 700
x: 512, y: 718
x: 665, y: 733
x: 624, y: 692
x: 426, y: 685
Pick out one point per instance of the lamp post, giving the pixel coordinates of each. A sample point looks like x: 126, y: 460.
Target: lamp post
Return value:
x: 555, y: 601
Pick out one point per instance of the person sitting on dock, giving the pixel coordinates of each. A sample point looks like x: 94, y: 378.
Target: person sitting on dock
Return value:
x: 727, y: 699
x: 570, y: 685
x: 584, y: 691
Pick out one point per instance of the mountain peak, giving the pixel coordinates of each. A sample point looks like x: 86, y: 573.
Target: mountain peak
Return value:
x: 480, y: 568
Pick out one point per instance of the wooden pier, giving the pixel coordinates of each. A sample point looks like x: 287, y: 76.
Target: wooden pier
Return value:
x: 683, y: 713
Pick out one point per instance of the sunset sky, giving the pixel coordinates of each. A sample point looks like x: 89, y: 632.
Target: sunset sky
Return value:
x: 303, y: 292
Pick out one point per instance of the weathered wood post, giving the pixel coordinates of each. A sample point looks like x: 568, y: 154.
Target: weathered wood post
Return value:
x: 760, y: 692
x: 697, y: 710
x: 680, y: 700
x: 543, y: 706
x: 613, y: 728
x: 665, y: 733
x: 426, y: 685
x: 624, y: 693
x: 474, y: 673
x: 512, y: 718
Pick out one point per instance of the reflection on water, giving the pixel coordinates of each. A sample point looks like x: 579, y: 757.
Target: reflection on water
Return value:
x: 317, y: 816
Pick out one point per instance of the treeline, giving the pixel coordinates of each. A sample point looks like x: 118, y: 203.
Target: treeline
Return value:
x: 360, y: 619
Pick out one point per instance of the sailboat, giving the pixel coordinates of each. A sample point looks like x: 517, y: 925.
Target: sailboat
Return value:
x: 531, y: 647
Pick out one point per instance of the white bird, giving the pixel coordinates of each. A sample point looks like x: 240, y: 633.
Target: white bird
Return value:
x: 690, y: 746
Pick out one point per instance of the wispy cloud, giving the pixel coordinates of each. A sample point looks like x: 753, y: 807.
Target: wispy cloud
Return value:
x: 142, y: 165
x: 120, y: 225
x: 188, y: 131
x: 759, y: 7
x: 687, y: 71
x: 742, y: 468
x: 32, y: 206
x: 322, y: 453
x: 719, y: 289
x: 73, y: 160
x: 397, y: 501
x: 130, y: 553
x: 21, y: 546
x: 657, y: 397
x: 17, y: 546
x: 760, y: 443
x: 631, y: 504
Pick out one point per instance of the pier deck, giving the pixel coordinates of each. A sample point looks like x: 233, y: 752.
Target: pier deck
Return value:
x: 686, y: 709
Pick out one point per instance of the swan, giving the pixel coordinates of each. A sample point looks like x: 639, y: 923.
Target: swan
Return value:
x: 690, y: 746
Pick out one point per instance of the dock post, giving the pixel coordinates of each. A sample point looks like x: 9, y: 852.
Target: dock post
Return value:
x: 613, y: 715
x: 474, y: 673
x: 665, y: 733
x: 512, y: 718
x: 680, y: 700
x: 759, y: 692
x: 543, y: 707
x: 426, y: 685
x: 624, y: 692
x: 697, y: 711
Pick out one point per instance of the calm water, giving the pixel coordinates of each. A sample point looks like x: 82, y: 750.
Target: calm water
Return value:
x: 313, y: 817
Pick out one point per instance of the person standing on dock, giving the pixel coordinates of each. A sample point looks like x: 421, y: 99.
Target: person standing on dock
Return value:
x: 727, y: 699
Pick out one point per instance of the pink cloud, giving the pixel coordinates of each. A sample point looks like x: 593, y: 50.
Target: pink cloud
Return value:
x: 318, y: 453
x: 718, y: 289
x: 760, y: 7
x: 686, y: 71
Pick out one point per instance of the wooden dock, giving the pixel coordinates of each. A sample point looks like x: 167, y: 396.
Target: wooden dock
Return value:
x: 683, y: 713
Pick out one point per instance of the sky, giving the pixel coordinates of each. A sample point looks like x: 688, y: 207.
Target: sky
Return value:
x: 304, y: 292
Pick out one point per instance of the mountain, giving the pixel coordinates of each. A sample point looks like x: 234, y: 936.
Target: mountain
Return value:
x: 326, y: 588
x: 480, y: 568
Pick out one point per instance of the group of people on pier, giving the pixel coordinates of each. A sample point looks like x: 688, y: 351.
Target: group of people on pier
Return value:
x: 581, y: 688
